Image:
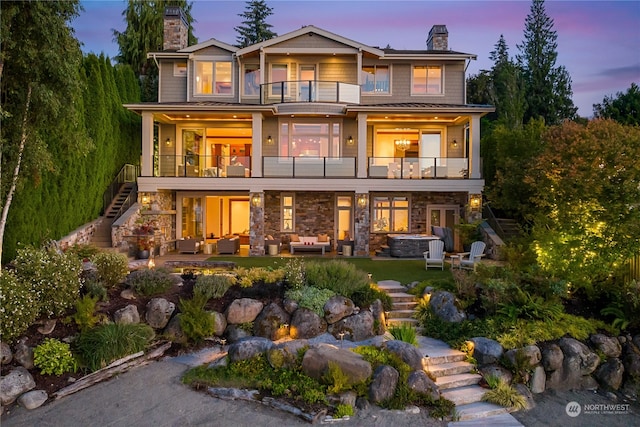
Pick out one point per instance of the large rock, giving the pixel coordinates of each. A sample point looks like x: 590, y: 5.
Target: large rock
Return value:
x: 243, y: 310
x: 525, y: 357
x: 272, y: 322
x: 33, y: 399
x: 383, y: 384
x: 445, y: 306
x: 173, y: 332
x: 315, y: 363
x: 538, y: 380
x: 285, y: 354
x: 249, y: 347
x: 526, y: 393
x: 486, y: 350
x: 497, y: 371
x: 379, y: 320
x: 127, y: 315
x: 632, y: 365
x: 5, y: 353
x: 306, y: 324
x: 219, y: 323
x: 16, y: 382
x: 24, y: 354
x: 577, y: 365
x: 420, y: 382
x: 552, y: 357
x: 407, y: 352
x: 158, y: 313
x: 609, y: 346
x: 337, y: 308
x: 609, y: 374
x: 357, y: 327
x: 235, y: 333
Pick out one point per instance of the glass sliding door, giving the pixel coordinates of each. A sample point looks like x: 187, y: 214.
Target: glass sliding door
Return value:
x: 192, y: 225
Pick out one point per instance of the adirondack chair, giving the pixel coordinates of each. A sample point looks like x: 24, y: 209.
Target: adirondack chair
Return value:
x: 469, y: 260
x: 434, y: 257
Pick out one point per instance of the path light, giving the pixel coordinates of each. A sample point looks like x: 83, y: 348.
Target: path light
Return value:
x: 151, y: 264
x: 370, y: 275
x: 341, y: 334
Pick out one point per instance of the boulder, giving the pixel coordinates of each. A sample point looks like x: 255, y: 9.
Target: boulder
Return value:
x: 219, y: 323
x: 498, y: 371
x: 158, y: 313
x: 272, y: 322
x: 290, y: 305
x: 383, y: 384
x: 5, y: 353
x: 631, y: 363
x: 407, y: 352
x: 173, y: 332
x: 609, y: 374
x: 249, y: 347
x: 24, y: 354
x: 337, y: 308
x: 315, y: 363
x: 552, y: 357
x: 538, y: 380
x: 33, y: 399
x: 127, y: 315
x: 526, y: 393
x: 525, y: 357
x: 128, y: 294
x: 577, y: 365
x: 446, y: 307
x: 285, y: 354
x: 243, y: 310
x: 420, y: 382
x: 609, y: 346
x: 486, y: 350
x: 636, y: 340
x: 357, y: 327
x: 306, y: 324
x: 16, y: 382
x: 235, y: 333
x: 379, y: 320
x: 345, y: 398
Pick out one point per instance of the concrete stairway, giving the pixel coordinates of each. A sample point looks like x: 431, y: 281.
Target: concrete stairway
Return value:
x: 102, y: 236
x: 448, y: 367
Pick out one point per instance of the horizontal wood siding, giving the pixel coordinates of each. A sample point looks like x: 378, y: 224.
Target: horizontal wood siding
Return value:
x: 310, y: 41
x: 338, y: 72
x: 174, y: 89
x: 213, y: 50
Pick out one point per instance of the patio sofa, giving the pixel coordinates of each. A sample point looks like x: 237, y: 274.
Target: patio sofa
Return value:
x: 190, y: 245
x: 230, y: 245
x: 321, y: 242
x: 270, y: 241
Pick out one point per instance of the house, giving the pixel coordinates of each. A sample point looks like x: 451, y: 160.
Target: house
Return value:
x: 307, y: 133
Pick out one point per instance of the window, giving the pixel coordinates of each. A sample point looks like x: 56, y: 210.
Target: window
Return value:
x: 344, y: 217
x: 251, y: 80
x: 375, y: 79
x: 179, y: 69
x: 390, y: 214
x: 427, y: 80
x: 279, y: 73
x: 309, y: 139
x: 287, y: 213
x: 213, y: 78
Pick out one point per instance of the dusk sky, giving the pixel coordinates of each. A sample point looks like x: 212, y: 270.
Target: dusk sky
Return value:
x: 598, y: 41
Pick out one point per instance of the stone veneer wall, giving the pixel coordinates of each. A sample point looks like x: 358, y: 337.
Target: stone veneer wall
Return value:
x: 81, y: 235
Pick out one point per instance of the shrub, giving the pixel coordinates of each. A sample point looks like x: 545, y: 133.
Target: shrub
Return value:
x: 85, y: 316
x: 404, y: 332
x: 295, y: 273
x: 19, y: 308
x: 104, y: 344
x: 112, y: 267
x: 248, y: 276
x: 367, y: 295
x: 340, y: 276
x: 96, y: 289
x: 83, y: 251
x: 310, y: 297
x: 505, y: 395
x: 337, y: 380
x: 53, y: 276
x: 343, y: 410
x: 54, y: 357
x: 150, y: 282
x: 196, y: 323
x: 212, y: 286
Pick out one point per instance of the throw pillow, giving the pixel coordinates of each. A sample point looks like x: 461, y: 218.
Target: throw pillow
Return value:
x: 323, y: 238
x: 295, y: 238
x: 269, y: 237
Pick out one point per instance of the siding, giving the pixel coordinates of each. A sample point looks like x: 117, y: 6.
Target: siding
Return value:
x: 311, y: 40
x: 174, y: 89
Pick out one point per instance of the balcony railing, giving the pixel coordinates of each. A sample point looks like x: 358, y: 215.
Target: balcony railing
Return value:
x: 309, y: 91
x: 195, y: 165
x: 418, y: 167
x: 309, y: 167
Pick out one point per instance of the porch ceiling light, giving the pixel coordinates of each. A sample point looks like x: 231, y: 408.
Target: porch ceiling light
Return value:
x: 403, y: 144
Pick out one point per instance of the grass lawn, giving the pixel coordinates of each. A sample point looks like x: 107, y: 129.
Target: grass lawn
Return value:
x: 404, y: 271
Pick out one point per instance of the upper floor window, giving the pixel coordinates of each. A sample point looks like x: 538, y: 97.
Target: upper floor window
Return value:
x: 427, y: 80
x: 213, y: 78
x: 251, y: 84
x: 375, y: 79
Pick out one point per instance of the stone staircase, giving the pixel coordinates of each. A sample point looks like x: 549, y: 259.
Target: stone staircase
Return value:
x: 448, y: 367
x: 510, y: 228
x: 102, y: 236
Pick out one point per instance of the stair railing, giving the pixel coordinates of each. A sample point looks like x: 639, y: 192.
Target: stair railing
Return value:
x: 490, y: 217
x: 128, y: 173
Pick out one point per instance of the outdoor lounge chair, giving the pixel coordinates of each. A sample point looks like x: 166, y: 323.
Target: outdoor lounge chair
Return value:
x: 469, y: 259
x: 434, y: 257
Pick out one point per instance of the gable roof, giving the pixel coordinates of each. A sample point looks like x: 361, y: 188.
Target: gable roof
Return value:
x: 309, y: 29
x: 209, y: 43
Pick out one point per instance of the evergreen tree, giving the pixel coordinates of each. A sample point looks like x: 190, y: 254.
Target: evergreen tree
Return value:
x: 254, y: 28
x: 548, y: 87
x: 624, y: 108
x: 507, y: 88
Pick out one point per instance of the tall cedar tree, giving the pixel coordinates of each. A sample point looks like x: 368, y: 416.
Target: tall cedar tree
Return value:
x: 144, y: 34
x: 548, y: 87
x: 254, y: 28
x: 507, y: 86
x: 624, y: 108
x: 41, y: 95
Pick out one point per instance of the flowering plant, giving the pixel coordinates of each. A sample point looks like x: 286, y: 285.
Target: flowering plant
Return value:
x: 144, y: 233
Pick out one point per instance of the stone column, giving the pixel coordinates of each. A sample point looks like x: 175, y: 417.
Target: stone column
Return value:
x: 256, y: 224
x: 362, y: 226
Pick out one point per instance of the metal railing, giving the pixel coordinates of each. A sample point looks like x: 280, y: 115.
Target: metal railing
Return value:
x: 308, y: 167
x: 309, y: 91
x: 490, y: 217
x: 418, y: 167
x: 128, y: 173
x: 195, y: 165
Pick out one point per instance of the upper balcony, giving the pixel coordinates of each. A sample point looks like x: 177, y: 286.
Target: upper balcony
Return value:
x: 309, y: 91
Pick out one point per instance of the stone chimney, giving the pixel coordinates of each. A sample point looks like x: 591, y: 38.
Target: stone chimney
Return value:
x: 438, y: 38
x: 176, y: 29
